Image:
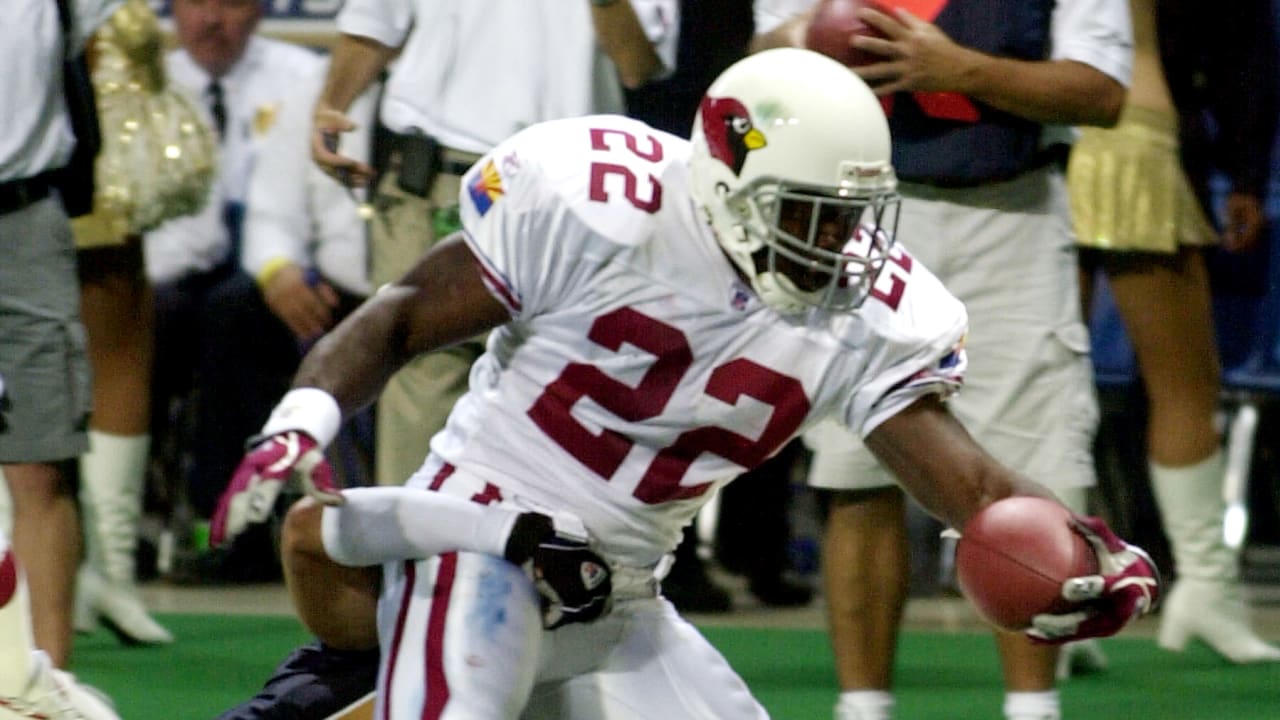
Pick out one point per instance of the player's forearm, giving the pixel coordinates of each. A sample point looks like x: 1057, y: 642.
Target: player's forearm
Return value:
x: 940, y: 465
x: 354, y: 361
x: 386, y: 524
x: 355, y: 64
x: 624, y: 41
x: 1063, y: 92
x: 443, y: 300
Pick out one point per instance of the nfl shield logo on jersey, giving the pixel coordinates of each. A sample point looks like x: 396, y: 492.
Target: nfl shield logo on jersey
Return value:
x: 592, y: 574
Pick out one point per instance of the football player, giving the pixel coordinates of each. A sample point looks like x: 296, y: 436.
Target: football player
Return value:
x: 665, y: 314
x: 30, y: 685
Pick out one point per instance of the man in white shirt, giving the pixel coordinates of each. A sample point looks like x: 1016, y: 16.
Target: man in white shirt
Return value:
x: 304, y: 232
x: 44, y: 374
x: 971, y: 105
x: 303, y: 256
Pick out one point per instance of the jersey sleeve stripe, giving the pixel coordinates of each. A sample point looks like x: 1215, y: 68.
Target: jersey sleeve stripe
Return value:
x: 496, y: 281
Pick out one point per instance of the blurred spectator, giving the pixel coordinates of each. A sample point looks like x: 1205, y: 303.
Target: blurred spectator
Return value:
x: 44, y: 372
x: 242, y: 82
x: 1203, y: 97
x: 157, y: 162
x: 985, y: 207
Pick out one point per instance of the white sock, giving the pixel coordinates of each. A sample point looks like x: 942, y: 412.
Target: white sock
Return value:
x: 16, y: 640
x: 1042, y: 705
x: 385, y: 524
x: 865, y: 705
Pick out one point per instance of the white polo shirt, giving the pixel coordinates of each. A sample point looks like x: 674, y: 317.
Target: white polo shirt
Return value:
x: 37, y: 132
x: 473, y: 73
x: 295, y: 211
x: 255, y: 91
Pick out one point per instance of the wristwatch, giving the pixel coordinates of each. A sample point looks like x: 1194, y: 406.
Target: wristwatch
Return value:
x: 603, y: 3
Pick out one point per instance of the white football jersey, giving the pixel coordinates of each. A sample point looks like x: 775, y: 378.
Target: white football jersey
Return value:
x: 638, y: 369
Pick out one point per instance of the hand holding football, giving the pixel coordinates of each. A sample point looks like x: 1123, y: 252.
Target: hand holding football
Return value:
x: 1013, y: 557
x: 832, y: 26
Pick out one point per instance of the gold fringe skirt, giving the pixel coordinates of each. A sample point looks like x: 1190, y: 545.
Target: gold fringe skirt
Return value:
x: 1128, y: 190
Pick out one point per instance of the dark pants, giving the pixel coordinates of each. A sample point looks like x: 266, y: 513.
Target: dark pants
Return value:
x: 220, y: 347
x: 313, y: 682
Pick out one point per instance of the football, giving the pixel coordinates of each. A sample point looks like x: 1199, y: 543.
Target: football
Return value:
x: 832, y: 25
x: 1013, y: 557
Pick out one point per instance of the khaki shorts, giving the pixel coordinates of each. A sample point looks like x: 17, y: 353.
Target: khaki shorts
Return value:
x: 1128, y: 189
x: 1006, y: 251
x: 417, y: 400
x: 43, y: 358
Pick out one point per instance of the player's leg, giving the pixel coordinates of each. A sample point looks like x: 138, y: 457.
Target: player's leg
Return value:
x: 30, y: 687
x: 1164, y: 302
x: 865, y: 569
x: 649, y: 664
x: 461, y: 636
x: 336, y: 602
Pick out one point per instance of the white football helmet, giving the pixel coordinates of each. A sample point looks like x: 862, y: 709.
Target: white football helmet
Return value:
x: 786, y: 131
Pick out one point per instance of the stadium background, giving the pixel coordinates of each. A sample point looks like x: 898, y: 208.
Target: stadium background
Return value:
x: 229, y: 639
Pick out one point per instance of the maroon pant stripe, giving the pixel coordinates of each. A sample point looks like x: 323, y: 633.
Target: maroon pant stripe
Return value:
x: 410, y: 578
x: 437, y: 683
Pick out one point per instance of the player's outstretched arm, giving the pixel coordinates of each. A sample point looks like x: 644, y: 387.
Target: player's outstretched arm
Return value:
x: 442, y: 300
x: 939, y: 463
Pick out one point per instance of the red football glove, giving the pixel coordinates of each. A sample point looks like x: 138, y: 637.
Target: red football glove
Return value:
x: 251, y: 495
x: 1127, y: 586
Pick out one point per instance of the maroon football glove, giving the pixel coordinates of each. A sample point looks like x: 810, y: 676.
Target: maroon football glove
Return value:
x: 1127, y: 586
x: 251, y: 495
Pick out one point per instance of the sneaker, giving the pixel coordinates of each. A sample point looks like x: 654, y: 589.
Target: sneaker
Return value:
x: 54, y: 694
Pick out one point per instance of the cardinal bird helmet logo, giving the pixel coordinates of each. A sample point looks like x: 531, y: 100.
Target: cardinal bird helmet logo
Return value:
x: 729, y: 132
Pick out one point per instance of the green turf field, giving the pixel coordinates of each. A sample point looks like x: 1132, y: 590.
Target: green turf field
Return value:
x: 220, y: 660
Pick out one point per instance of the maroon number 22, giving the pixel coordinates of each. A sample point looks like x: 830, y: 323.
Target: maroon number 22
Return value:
x: 603, y: 453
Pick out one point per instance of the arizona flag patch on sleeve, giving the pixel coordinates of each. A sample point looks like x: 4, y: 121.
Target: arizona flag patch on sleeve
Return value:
x: 485, y: 188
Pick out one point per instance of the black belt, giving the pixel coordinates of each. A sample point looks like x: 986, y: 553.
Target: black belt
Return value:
x: 418, y: 159
x: 418, y: 148
x: 1053, y: 155
x: 17, y: 194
